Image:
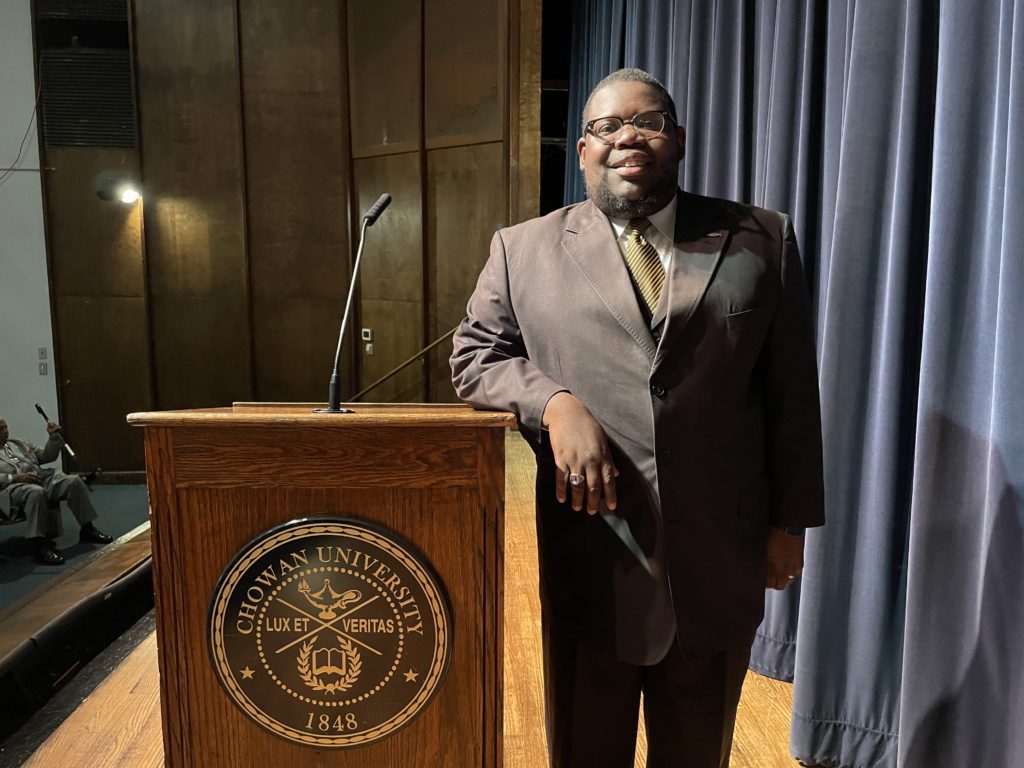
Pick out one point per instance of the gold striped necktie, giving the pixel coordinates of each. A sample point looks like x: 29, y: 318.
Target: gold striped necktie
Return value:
x: 644, y: 263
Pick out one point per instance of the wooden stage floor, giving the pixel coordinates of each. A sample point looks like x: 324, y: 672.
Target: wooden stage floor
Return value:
x: 119, y: 724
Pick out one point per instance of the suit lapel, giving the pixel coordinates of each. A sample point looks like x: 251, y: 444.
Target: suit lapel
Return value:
x: 590, y: 243
x: 700, y: 245
x: 5, y: 459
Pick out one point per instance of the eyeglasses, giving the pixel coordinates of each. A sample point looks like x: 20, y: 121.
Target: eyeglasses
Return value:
x: 608, y: 129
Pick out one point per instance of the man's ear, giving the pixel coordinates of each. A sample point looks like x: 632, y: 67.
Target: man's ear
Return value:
x: 681, y: 139
x: 581, y: 148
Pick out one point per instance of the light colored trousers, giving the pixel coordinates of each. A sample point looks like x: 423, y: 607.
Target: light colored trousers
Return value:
x: 40, y: 503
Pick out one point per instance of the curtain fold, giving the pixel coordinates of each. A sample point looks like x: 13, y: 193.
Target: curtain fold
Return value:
x: 892, y: 133
x: 963, y: 682
x: 846, y: 705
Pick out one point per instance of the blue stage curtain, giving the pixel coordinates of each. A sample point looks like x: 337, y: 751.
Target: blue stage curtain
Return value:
x: 892, y: 133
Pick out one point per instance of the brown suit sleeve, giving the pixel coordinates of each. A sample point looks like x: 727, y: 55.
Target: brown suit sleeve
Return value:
x: 792, y: 407
x: 491, y: 366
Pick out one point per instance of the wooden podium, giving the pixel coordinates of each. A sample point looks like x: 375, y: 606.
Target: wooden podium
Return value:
x: 221, y: 478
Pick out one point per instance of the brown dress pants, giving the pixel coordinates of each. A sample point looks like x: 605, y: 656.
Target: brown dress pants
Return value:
x: 592, y: 703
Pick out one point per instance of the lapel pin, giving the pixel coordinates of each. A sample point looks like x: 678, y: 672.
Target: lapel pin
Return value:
x: 713, y: 234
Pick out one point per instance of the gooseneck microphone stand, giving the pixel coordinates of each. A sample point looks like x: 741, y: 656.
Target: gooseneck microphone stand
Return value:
x: 334, y: 393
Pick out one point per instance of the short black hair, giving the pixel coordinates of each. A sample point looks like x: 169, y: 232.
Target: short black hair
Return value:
x: 633, y: 75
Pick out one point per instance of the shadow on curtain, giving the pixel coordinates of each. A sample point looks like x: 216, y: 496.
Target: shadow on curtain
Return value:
x: 892, y: 133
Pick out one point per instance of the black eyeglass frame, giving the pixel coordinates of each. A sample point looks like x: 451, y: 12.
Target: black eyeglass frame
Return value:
x: 589, y: 127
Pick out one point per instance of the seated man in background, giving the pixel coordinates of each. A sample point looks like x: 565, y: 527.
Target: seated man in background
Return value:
x: 26, y: 487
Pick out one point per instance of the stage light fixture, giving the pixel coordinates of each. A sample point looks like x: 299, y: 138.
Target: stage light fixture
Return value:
x: 116, y: 186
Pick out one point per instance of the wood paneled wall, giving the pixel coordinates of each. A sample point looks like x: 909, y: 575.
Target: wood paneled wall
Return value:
x: 464, y: 60
x: 190, y: 122
x: 466, y: 122
x: 466, y: 205
x: 295, y: 128
x: 266, y: 129
x: 391, y: 284
x: 384, y: 51
x: 98, y: 295
x: 430, y: 85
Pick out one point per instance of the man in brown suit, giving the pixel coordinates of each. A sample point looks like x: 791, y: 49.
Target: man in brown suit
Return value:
x: 657, y: 348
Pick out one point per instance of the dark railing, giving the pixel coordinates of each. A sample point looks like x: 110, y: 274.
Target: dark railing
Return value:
x: 404, y: 365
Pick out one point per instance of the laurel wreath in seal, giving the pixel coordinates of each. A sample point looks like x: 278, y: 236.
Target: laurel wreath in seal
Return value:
x: 353, y: 667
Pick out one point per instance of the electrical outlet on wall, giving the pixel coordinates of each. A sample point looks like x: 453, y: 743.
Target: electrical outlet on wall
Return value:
x: 44, y: 369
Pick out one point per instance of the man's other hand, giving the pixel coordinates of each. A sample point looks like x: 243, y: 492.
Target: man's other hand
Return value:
x: 785, y: 558
x: 25, y: 477
x: 53, y: 428
x: 580, y: 447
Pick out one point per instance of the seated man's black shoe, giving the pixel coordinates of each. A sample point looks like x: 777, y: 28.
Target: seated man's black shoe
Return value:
x: 90, y: 534
x: 46, y: 553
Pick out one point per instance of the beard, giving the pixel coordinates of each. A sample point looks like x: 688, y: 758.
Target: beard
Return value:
x: 620, y: 207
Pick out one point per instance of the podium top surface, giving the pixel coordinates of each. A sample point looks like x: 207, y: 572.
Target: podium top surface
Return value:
x: 303, y: 414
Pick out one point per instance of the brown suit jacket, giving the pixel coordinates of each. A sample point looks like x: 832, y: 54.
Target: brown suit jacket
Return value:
x: 711, y: 409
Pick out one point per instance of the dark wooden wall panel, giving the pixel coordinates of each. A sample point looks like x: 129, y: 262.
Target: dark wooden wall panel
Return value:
x: 391, y: 283
x: 398, y: 336
x: 291, y: 48
x: 465, y: 206
x: 296, y: 139
x: 385, y: 72
x: 464, y: 62
x: 95, y: 245
x: 297, y: 341
x: 524, y: 109
x: 392, y: 267
x: 104, y: 374
x: 210, y: 369
x: 101, y: 356
x: 189, y: 107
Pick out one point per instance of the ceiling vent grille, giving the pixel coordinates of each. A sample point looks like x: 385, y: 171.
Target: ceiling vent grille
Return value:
x: 87, y: 98
x: 97, y: 10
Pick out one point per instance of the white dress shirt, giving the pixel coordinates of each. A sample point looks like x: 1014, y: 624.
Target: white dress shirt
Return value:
x: 660, y: 234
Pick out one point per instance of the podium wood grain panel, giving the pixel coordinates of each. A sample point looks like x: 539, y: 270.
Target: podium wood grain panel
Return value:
x: 314, y: 457
x: 167, y: 589
x: 490, y: 456
x: 433, y: 515
x: 214, y: 488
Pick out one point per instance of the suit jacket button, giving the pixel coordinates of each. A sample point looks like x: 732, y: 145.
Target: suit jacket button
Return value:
x: 658, y: 391
x: 664, y: 456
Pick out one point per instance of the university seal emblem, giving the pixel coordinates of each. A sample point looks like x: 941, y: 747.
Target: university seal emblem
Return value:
x: 330, y: 632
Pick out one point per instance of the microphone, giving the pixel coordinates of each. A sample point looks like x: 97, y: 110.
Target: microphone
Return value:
x: 377, y: 209
x: 334, y: 392
x: 42, y: 413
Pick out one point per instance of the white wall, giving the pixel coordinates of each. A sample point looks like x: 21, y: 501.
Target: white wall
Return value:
x: 24, y: 291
